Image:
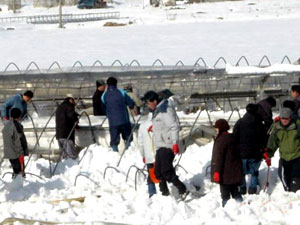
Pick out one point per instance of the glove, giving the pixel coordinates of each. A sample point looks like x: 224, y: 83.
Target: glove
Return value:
x: 21, y: 159
x: 175, y: 149
x: 267, y: 159
x: 144, y: 160
x: 216, y: 177
x: 276, y: 119
x: 5, y: 118
x: 150, y: 129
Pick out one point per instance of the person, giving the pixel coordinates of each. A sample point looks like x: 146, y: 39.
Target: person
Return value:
x: 138, y: 102
x: 66, y: 119
x: 115, y: 102
x: 19, y: 101
x: 97, y: 104
x: 295, y: 92
x: 14, y: 142
x: 285, y: 136
x: 265, y: 110
x: 226, y: 163
x: 251, y: 138
x: 292, y: 106
x: 147, y: 151
x: 165, y: 139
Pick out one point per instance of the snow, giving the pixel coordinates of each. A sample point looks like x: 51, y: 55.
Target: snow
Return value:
x: 186, y: 32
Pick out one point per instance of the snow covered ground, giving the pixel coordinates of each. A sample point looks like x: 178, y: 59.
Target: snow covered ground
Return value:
x: 187, y: 32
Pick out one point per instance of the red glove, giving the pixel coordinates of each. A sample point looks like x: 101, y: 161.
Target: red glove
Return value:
x: 276, y: 119
x: 267, y: 159
x: 5, y: 118
x: 21, y: 159
x: 144, y: 160
x: 150, y: 129
x: 216, y: 177
x: 175, y: 149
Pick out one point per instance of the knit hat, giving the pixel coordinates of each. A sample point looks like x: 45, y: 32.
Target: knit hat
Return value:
x: 100, y: 83
x: 285, y: 113
x: 222, y: 125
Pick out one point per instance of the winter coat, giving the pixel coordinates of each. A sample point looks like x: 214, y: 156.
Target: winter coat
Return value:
x: 65, y: 119
x: 14, y: 140
x: 97, y: 103
x: 165, y: 126
x: 250, y: 136
x: 226, y: 160
x: 145, y: 144
x: 287, y: 139
x: 265, y: 111
x: 116, y: 101
x: 15, y: 101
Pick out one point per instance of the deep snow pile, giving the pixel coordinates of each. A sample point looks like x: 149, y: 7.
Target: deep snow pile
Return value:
x: 119, y: 202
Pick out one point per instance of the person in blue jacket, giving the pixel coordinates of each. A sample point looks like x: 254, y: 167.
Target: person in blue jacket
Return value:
x: 115, y: 102
x: 19, y: 101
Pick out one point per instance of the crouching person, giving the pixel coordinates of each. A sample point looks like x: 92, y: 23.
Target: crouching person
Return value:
x: 165, y: 140
x: 147, y: 151
x: 285, y: 136
x: 14, y: 142
x: 226, y: 164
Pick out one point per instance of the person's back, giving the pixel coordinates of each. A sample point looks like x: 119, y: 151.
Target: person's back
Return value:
x: 265, y: 110
x: 65, y: 119
x: 97, y: 103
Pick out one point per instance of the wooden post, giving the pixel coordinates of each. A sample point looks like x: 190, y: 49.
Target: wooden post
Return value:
x: 60, y: 14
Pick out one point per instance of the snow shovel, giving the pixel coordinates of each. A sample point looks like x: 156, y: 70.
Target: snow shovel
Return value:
x: 267, y: 180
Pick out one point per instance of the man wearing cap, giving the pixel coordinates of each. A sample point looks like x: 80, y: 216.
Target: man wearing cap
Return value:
x: 97, y: 104
x: 165, y: 139
x: 19, y: 101
x: 285, y: 136
x: 66, y: 119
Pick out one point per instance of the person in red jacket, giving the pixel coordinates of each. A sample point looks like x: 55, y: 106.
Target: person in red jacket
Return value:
x: 226, y: 163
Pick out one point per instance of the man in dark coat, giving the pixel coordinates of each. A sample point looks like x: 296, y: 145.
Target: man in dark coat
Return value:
x: 295, y: 92
x: 226, y: 163
x: 265, y: 111
x: 251, y: 138
x: 97, y: 103
x: 116, y: 101
x: 66, y: 118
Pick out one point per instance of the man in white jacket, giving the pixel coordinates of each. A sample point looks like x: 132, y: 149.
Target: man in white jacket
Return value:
x: 165, y: 140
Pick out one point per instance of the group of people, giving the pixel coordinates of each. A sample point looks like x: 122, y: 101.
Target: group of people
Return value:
x: 256, y: 137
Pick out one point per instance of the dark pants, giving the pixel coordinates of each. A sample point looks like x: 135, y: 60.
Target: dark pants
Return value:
x: 115, y: 131
x: 251, y: 166
x: 16, y: 165
x: 227, y: 190
x: 165, y: 171
x: 289, y: 174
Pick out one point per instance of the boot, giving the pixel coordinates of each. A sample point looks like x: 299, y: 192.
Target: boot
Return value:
x: 243, y: 190
x: 252, y: 190
x: 163, y: 187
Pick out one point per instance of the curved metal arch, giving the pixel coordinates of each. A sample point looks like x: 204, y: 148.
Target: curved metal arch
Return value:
x: 157, y: 61
x: 54, y: 63
x: 286, y: 58
x: 110, y: 167
x: 77, y: 62
x: 245, y: 59
x: 15, y: 65
x: 135, y: 177
x: 262, y: 59
x: 117, y: 61
x: 97, y: 62
x: 134, y: 61
x: 52, y: 140
x: 219, y: 59
x: 34, y: 128
x: 86, y: 176
x: 235, y: 109
x: 179, y: 166
x: 202, y: 60
x: 132, y: 166
x: 32, y: 63
x: 36, y: 144
x: 179, y: 63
